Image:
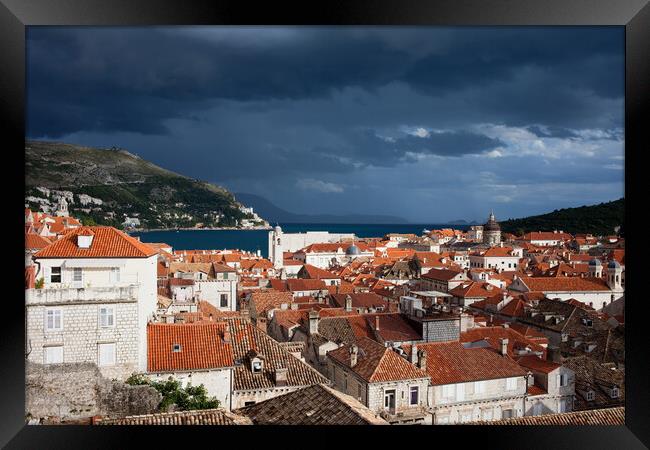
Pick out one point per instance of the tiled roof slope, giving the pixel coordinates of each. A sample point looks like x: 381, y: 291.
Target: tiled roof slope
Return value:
x: 108, y: 242
x: 546, y: 284
x: 202, y: 346
x: 608, y: 416
x: 196, y: 417
x: 450, y: 362
x: 313, y: 405
x: 376, y: 363
x: 246, y: 337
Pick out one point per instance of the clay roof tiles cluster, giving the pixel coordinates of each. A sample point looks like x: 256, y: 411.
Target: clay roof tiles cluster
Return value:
x: 451, y: 362
x: 376, y: 363
x: 314, y: 405
x: 196, y: 417
x: 108, y: 242
x: 202, y: 346
x: 607, y: 416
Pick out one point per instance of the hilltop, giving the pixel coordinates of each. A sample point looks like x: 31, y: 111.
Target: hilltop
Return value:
x: 114, y: 184
x: 600, y: 219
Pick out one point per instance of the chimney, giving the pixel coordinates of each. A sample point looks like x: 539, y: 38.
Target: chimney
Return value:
x: 226, y: 332
x: 504, y: 346
x: 414, y: 354
x: 422, y: 359
x: 530, y: 378
x: 280, y: 376
x: 506, y: 325
x: 354, y: 353
x: 376, y: 323
x: 348, y: 303
x: 313, y: 322
x: 261, y: 323
x: 294, y: 306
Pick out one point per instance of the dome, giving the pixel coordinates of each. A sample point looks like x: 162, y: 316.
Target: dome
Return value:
x: 278, y: 229
x: 595, y: 262
x: 492, y: 224
x: 613, y: 265
x: 353, y: 250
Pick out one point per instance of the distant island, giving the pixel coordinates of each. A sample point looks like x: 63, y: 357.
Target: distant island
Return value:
x: 117, y: 188
x: 274, y: 213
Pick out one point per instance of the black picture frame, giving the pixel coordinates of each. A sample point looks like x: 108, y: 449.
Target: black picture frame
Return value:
x: 15, y: 15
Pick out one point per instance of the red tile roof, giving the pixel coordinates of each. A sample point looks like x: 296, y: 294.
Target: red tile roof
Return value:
x: 559, y: 284
x: 316, y: 273
x: 493, y: 336
x: 441, y: 274
x: 34, y: 241
x: 376, y: 363
x: 108, y: 242
x: 202, y: 347
x: 299, y: 284
x: 538, y: 364
x: 450, y: 362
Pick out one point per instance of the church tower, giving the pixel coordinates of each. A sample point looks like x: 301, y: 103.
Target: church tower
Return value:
x: 276, y: 255
x: 492, y: 231
x: 62, y: 209
x: 614, y: 273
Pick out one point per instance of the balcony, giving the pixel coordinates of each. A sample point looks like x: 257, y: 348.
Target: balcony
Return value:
x: 406, y: 415
x: 80, y: 295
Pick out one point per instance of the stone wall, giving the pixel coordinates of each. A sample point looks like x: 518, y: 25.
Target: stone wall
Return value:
x: 441, y: 330
x: 78, y: 390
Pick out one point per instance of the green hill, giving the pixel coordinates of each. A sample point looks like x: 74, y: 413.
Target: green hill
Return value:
x: 127, y: 186
x: 598, y: 220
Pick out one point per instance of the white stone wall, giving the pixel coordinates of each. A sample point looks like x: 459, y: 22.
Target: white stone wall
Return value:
x: 496, y: 262
x: 81, y: 334
x: 240, y: 398
x: 469, y: 407
x: 211, y: 291
x: 218, y: 382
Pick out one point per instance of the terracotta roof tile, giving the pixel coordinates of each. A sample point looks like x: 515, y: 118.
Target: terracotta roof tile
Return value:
x: 108, y: 242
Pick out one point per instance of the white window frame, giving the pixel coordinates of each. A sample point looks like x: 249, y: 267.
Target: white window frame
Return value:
x: 46, y: 352
x: 114, y: 275
x: 449, y: 391
x: 221, y: 298
x: 111, y: 316
x: 413, y: 389
x: 460, y: 392
x: 51, y: 273
x: 55, y: 313
x: 511, y: 384
x: 479, y: 387
x: 110, y: 362
x: 80, y: 280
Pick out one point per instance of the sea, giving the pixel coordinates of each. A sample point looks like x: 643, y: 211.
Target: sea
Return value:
x: 254, y: 240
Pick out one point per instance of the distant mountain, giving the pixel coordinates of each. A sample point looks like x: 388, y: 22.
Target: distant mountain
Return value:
x: 461, y: 222
x: 103, y: 186
x: 598, y: 220
x: 274, y: 213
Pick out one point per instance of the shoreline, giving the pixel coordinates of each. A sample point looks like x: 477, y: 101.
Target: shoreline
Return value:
x: 147, y: 230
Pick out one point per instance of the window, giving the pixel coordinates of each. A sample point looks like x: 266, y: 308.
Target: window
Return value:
x: 506, y: 413
x: 562, y: 380
x: 614, y: 392
x: 448, y: 391
x: 53, y: 355
x: 53, y: 320
x: 460, y: 392
x: 114, y: 275
x: 106, y: 354
x: 466, y: 416
x: 590, y: 396
x: 106, y: 317
x: 224, y: 300
x: 562, y: 406
x: 249, y: 403
x: 55, y: 276
x: 176, y: 348
x: 225, y: 275
x: 511, y: 384
x: 257, y: 366
x: 77, y: 275
x: 414, y: 395
x: 537, y: 409
x: 479, y: 387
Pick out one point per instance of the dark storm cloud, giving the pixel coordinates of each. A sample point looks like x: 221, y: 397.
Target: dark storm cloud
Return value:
x: 369, y: 148
x: 134, y: 79
x: 302, y: 114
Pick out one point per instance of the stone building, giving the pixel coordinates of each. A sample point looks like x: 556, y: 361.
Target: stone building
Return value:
x: 381, y: 380
x: 491, y: 231
x: 98, y: 294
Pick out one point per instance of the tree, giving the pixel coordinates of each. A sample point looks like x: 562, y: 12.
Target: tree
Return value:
x: 173, y: 393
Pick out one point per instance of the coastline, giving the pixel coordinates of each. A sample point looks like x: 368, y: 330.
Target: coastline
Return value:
x: 146, y: 230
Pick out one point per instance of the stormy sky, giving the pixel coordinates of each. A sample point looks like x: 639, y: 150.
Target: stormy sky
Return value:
x: 426, y: 123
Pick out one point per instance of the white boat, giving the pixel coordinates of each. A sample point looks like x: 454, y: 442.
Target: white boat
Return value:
x: 425, y: 231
